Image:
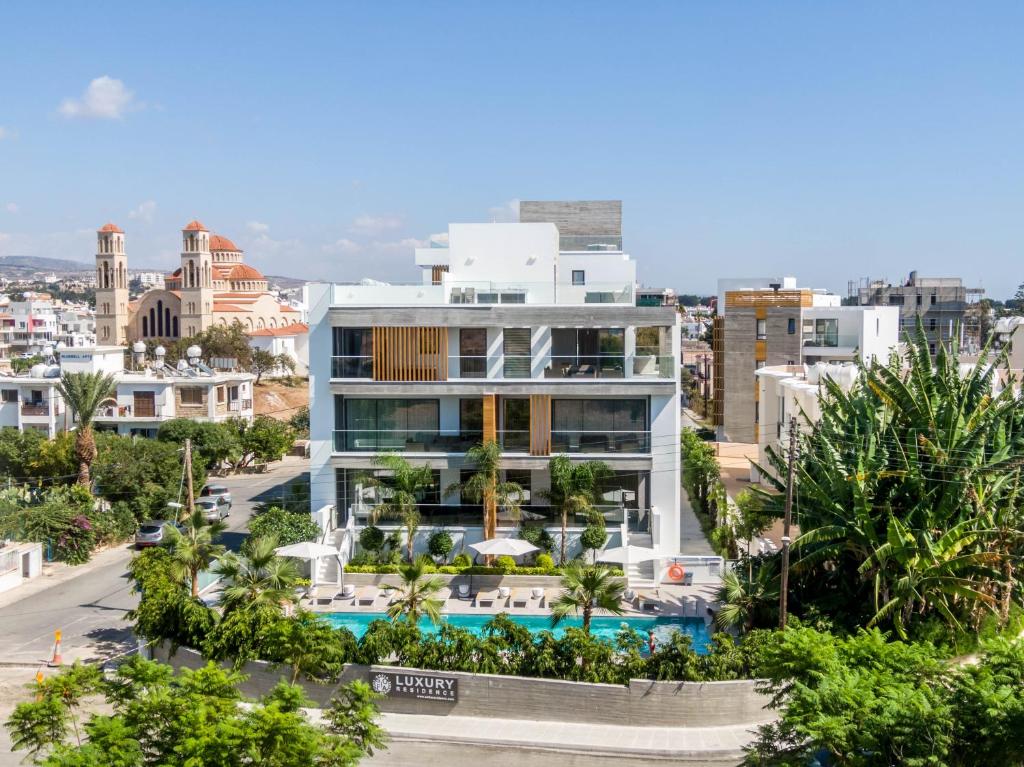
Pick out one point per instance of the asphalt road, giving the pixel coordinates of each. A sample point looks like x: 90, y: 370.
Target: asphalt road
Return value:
x: 89, y: 608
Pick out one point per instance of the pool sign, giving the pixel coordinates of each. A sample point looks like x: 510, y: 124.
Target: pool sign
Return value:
x: 399, y: 684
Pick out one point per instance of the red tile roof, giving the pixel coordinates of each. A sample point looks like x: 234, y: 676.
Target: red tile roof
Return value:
x: 217, y: 242
x: 194, y: 226
x: 245, y: 272
x: 222, y: 307
x: 294, y: 329
x: 108, y: 227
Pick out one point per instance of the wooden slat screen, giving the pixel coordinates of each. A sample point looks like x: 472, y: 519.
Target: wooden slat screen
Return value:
x: 540, y: 424
x: 435, y: 273
x: 410, y: 354
x: 490, y: 418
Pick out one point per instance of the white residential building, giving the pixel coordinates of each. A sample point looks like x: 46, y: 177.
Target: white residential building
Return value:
x: 146, y: 396
x: 506, y: 338
x: 35, y: 324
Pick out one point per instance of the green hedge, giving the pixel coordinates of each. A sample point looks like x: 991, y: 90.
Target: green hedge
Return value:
x: 472, y: 570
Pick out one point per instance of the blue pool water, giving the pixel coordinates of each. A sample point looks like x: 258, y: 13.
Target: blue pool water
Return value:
x: 603, y: 627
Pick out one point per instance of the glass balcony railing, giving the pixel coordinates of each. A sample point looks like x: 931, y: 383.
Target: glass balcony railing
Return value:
x: 589, y: 366
x: 600, y: 442
x: 520, y: 367
x: 830, y: 340
x: 403, y: 440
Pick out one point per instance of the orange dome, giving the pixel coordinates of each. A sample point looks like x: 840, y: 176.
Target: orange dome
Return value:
x: 111, y: 228
x: 195, y: 226
x: 245, y: 272
x: 223, y: 243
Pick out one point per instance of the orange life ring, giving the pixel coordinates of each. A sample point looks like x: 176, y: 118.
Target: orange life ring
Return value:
x: 676, y: 573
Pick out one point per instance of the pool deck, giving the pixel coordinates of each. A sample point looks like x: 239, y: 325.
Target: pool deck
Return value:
x: 668, y: 600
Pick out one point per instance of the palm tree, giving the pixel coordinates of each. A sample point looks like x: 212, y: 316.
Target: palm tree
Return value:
x: 401, y: 491
x: 257, y: 577
x: 485, y: 486
x: 84, y: 393
x: 743, y: 599
x: 193, y: 549
x: 417, y: 594
x: 584, y: 589
x: 574, y: 490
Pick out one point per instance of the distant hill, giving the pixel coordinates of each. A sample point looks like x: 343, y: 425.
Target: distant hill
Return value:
x: 27, y: 265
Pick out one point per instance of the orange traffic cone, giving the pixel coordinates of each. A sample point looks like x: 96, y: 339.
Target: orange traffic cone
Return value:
x: 56, y: 659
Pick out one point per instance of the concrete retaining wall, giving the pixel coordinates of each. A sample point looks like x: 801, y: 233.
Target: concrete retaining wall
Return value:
x: 642, y: 703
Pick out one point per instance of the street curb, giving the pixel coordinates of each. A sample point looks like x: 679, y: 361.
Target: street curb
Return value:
x: 43, y: 583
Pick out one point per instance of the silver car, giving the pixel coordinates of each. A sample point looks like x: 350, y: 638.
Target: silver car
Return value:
x: 214, y: 509
x: 151, y: 533
x: 219, y: 492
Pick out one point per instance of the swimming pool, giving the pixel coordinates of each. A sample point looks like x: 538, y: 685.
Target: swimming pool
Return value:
x: 604, y: 627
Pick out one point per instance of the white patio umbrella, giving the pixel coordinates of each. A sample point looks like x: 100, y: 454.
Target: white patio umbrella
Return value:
x: 310, y: 550
x: 498, y: 547
x: 626, y: 554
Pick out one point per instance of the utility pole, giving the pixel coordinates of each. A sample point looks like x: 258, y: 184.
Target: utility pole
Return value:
x: 786, y: 522
x: 190, y: 502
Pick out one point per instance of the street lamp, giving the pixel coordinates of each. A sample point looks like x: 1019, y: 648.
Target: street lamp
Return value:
x: 194, y: 354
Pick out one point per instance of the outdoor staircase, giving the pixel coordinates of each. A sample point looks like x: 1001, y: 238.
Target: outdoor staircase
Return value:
x: 328, y: 566
x: 640, y: 574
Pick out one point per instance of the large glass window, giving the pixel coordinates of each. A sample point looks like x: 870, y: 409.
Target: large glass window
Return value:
x: 353, y: 353
x: 472, y: 352
x: 599, y: 426
x: 515, y: 425
x: 516, y: 350
x: 587, y: 353
x: 821, y: 332
x: 471, y: 419
x: 387, y: 424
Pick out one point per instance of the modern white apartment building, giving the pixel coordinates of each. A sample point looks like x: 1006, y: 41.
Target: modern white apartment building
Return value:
x: 146, y: 396
x: 506, y: 338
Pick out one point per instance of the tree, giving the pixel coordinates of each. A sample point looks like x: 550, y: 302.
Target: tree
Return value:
x: 748, y: 601
x: 416, y: 595
x: 584, y: 589
x: 222, y: 341
x: 309, y: 647
x: 194, y: 549
x: 400, y: 491
x: 145, y: 473
x: 300, y: 422
x: 264, y: 362
x: 484, y: 486
x: 257, y: 577
x: 908, y: 493
x: 440, y: 545
x: 264, y: 440
x: 195, y: 718
x: 287, y: 526
x: 574, y: 490
x: 84, y: 393
x: 212, y: 443
x: 700, y: 472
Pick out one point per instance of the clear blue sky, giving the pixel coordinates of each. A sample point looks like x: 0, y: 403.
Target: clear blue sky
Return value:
x: 831, y: 141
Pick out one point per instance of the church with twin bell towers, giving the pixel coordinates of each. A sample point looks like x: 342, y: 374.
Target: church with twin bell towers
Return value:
x: 212, y: 286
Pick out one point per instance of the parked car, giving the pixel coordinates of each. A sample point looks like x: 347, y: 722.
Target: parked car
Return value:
x: 151, y: 533
x: 214, y: 509
x: 217, y: 491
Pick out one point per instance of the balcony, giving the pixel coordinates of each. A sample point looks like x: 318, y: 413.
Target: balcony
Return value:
x: 600, y: 442
x: 35, y: 408
x: 403, y: 440
x: 831, y: 341
x: 352, y: 366
x: 530, y: 515
x: 591, y: 366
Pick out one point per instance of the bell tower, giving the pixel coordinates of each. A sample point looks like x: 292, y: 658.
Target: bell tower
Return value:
x: 196, y: 280
x: 111, y: 287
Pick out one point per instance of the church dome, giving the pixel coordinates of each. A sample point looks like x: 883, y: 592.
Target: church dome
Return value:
x: 111, y: 228
x: 195, y: 226
x: 217, y: 242
x: 245, y: 272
